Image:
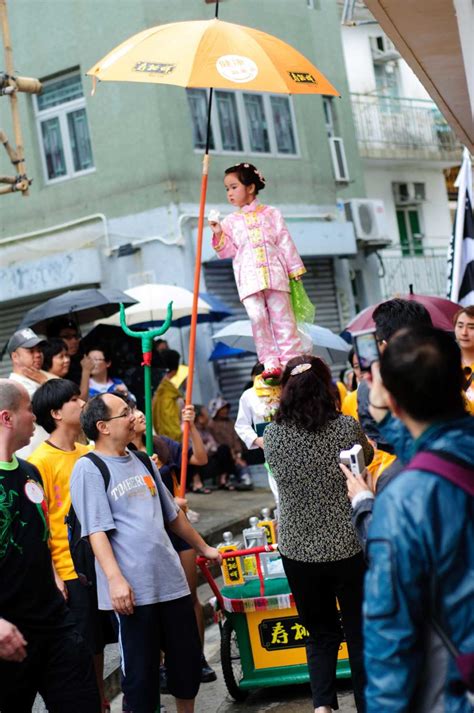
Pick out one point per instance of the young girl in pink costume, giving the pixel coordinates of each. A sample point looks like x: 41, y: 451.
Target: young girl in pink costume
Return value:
x: 264, y: 259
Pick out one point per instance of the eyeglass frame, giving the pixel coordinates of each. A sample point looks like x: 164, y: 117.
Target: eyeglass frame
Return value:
x: 125, y: 414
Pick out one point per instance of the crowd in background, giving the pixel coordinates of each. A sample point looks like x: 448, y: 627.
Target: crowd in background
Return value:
x: 394, y: 541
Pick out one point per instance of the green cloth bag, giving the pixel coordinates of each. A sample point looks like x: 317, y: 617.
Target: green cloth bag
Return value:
x: 303, y: 308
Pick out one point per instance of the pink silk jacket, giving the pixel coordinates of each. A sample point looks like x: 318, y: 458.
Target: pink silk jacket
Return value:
x: 263, y: 253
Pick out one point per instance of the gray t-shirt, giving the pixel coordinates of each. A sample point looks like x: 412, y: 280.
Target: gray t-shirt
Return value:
x: 133, y: 515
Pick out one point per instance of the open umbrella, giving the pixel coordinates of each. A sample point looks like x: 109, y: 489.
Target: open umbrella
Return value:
x: 325, y: 344
x: 150, y: 311
x: 216, y: 55
x: 81, y: 305
x: 223, y: 351
x: 441, y: 310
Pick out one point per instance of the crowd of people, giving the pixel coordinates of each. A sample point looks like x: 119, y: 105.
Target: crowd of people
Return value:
x: 387, y: 552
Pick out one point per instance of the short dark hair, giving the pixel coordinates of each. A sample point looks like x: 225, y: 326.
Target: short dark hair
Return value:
x: 53, y: 346
x: 308, y: 399
x: 247, y: 174
x: 392, y: 315
x: 469, y: 310
x: 52, y: 396
x: 257, y: 369
x: 421, y: 368
x: 55, y: 326
x: 168, y: 359
x: 95, y: 410
x: 101, y: 348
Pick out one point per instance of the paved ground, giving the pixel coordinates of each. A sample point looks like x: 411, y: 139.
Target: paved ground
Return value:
x: 214, y: 698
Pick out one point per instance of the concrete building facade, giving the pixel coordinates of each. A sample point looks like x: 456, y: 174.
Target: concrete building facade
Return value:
x: 114, y: 200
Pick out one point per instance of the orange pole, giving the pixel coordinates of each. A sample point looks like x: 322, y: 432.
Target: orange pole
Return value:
x: 194, y: 316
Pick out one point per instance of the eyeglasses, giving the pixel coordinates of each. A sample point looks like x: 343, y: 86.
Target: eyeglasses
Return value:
x: 125, y: 414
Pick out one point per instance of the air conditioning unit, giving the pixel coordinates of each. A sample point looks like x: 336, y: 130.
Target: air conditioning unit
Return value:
x: 368, y: 217
x: 409, y: 193
x: 383, y: 49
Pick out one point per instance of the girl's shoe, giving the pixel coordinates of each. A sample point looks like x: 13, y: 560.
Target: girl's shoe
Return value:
x: 272, y: 376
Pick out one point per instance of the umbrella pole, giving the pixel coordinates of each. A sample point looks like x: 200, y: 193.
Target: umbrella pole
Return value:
x: 197, y: 279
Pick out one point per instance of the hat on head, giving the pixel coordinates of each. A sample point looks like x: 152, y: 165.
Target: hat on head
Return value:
x: 215, y: 406
x: 25, y: 338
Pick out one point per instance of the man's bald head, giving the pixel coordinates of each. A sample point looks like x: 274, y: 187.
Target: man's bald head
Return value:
x: 11, y: 395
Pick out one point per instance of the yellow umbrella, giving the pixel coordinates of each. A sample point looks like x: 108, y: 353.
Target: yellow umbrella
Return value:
x: 216, y: 55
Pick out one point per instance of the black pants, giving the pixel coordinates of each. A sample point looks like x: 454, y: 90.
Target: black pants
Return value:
x: 94, y: 626
x: 169, y: 626
x: 315, y: 586
x: 59, y: 667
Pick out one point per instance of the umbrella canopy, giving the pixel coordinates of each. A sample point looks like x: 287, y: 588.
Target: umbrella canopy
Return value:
x: 212, y: 53
x: 325, y: 344
x: 81, y: 305
x: 151, y: 303
x: 441, y: 310
x: 222, y: 351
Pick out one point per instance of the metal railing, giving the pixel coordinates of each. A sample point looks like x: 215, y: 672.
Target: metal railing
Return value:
x: 427, y: 273
x: 388, y: 127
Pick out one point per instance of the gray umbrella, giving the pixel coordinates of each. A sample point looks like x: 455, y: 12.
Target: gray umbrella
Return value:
x: 81, y: 305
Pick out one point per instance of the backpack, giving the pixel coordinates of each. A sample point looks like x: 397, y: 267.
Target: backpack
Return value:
x: 81, y: 551
x: 461, y: 474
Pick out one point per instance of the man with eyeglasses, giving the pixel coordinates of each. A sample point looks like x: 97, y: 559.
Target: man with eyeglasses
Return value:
x: 139, y: 575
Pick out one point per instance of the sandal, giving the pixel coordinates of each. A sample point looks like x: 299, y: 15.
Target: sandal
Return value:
x: 225, y: 486
x: 201, y: 490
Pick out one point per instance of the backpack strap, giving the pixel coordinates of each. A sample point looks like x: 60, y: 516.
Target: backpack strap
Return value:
x: 148, y: 463
x: 100, y: 465
x: 146, y: 460
x: 456, y: 471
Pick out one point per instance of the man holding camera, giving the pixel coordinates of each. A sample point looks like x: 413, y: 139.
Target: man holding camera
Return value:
x: 419, y: 590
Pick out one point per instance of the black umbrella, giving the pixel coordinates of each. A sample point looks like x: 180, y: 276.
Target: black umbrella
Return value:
x: 81, y: 305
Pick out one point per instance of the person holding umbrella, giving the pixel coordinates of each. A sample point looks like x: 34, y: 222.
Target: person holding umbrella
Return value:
x: 265, y: 259
x: 464, y: 333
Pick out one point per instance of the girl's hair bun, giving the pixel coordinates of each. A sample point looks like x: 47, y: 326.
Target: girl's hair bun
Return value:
x: 248, y: 174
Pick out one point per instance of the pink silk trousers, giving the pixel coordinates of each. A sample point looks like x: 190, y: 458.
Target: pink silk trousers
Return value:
x: 273, y: 327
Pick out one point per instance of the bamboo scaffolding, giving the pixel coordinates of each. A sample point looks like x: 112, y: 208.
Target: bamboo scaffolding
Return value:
x: 9, y: 86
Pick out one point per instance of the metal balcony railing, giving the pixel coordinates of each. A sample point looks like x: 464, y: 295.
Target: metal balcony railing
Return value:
x: 427, y: 273
x: 388, y: 127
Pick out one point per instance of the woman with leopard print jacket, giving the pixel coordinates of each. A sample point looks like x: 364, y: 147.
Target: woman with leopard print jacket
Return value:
x: 320, y: 551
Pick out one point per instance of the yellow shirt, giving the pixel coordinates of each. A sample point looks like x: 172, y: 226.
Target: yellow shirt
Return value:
x: 55, y: 467
x: 469, y: 394
x: 342, y: 390
x: 349, y: 405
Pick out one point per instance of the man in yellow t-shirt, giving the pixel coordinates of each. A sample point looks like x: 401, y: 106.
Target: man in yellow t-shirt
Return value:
x: 57, y: 406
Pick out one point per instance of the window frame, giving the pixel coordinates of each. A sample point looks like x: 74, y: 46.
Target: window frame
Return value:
x: 245, y: 129
x: 61, y: 111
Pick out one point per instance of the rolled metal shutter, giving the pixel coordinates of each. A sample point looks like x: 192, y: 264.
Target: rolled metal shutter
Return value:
x: 12, y: 313
x: 319, y: 282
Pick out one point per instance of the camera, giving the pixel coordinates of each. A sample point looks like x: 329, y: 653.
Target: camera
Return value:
x: 366, y: 348
x: 353, y: 459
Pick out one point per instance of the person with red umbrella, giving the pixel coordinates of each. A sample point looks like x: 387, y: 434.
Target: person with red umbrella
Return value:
x: 388, y: 317
x: 464, y: 332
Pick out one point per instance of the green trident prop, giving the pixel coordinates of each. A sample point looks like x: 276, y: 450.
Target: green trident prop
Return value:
x: 147, y: 350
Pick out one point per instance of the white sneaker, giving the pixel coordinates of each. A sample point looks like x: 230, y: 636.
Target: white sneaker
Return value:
x: 193, y: 516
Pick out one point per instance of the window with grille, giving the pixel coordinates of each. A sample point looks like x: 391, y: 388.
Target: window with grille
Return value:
x: 63, y: 128
x: 244, y: 122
